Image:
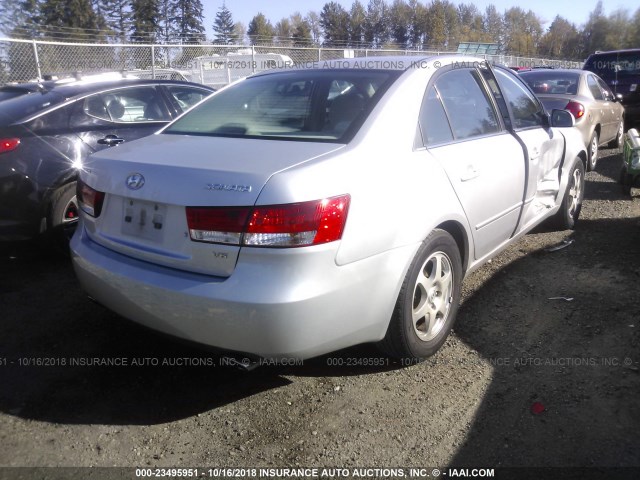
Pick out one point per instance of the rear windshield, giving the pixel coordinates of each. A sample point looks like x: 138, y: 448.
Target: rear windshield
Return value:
x: 301, y: 105
x: 614, y: 63
x: 548, y: 81
x: 25, y: 106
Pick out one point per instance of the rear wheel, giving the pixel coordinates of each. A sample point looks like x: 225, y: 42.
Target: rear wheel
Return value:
x: 428, y: 301
x: 593, y: 151
x: 63, y: 216
x: 567, y: 216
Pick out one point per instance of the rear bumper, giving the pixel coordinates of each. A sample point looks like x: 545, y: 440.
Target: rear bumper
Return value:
x: 291, y: 303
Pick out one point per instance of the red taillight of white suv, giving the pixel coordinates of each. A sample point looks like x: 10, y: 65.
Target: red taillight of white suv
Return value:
x: 290, y: 225
x: 89, y: 199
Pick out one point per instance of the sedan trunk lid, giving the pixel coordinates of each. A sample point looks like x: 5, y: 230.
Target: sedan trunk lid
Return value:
x: 148, y: 184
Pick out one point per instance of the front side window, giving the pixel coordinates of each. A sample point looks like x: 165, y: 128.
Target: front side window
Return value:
x: 303, y: 105
x: 526, y: 110
x: 467, y: 105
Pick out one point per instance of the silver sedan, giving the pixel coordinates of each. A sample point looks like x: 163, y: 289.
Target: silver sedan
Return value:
x: 301, y: 211
x: 598, y: 113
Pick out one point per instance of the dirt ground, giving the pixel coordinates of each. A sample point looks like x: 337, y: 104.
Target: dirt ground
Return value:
x: 527, y: 379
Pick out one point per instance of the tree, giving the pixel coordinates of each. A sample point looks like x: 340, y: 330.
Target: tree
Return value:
x: 334, y: 21
x: 117, y: 16
x: 436, y: 24
x: 20, y: 19
x: 418, y: 22
x: 493, y: 25
x: 144, y: 24
x: 313, y: 19
x: 239, y: 33
x: 376, y: 30
x: 561, y: 40
x: 471, y: 27
x: 260, y: 30
x: 187, y: 19
x: 522, y: 31
x: 73, y: 18
x: 284, y: 32
x: 223, y: 25
x: 357, y: 19
x: 400, y: 23
x: 300, y: 30
x: 166, y: 27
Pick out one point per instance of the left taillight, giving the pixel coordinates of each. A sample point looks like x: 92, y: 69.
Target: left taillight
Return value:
x: 8, y: 144
x: 89, y: 199
x: 289, y: 225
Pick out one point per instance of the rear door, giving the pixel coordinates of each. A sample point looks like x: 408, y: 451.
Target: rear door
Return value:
x: 543, y: 146
x: 485, y: 164
x: 599, y: 109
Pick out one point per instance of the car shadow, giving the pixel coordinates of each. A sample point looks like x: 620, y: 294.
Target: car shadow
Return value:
x: 564, y: 388
x: 65, y: 359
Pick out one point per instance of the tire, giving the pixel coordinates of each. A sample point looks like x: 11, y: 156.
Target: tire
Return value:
x: 593, y: 151
x: 63, y: 216
x: 567, y: 216
x: 617, y: 142
x: 428, y: 301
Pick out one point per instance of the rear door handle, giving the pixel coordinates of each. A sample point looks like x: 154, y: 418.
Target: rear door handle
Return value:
x: 111, y: 140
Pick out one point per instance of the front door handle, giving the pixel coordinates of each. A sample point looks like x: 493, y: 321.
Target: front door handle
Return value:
x: 111, y: 140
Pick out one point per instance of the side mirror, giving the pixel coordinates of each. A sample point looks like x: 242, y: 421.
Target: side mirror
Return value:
x: 562, y: 119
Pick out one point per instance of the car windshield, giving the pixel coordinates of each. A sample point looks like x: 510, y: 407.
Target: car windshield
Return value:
x: 610, y: 64
x: 552, y: 82
x: 302, y: 105
x: 24, y: 106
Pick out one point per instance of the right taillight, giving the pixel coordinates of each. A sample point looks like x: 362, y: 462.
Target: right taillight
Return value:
x: 8, y: 144
x: 577, y: 109
x: 89, y: 199
x: 289, y: 225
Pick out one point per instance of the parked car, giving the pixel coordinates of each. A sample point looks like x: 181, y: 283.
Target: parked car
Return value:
x: 46, y: 134
x: 301, y: 211
x: 16, y: 90
x: 598, y: 113
x: 621, y: 70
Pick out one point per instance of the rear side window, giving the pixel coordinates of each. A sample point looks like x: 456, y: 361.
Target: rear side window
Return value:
x: 304, y: 105
x: 15, y: 109
x: 467, y: 106
x: 434, y: 123
x: 593, y: 87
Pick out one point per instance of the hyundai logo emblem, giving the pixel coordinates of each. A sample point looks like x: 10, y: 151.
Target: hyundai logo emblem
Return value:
x: 135, y: 181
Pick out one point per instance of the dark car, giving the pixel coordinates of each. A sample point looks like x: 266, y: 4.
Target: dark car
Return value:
x: 17, y: 90
x: 621, y: 70
x: 45, y: 137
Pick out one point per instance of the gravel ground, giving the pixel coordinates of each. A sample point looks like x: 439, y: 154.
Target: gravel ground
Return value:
x: 525, y: 380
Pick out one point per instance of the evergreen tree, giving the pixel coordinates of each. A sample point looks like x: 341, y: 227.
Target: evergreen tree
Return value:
x: 223, y: 26
x: 71, y: 18
x: 260, y: 30
x: 117, y: 17
x: 376, y: 30
x: 400, y: 23
x: 144, y: 24
x: 357, y: 19
x: 166, y: 30
x: 334, y: 20
x: 187, y: 18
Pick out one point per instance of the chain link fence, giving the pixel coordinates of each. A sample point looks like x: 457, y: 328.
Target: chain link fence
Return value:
x: 215, y: 65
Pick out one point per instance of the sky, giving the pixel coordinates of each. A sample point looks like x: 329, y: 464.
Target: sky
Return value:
x: 576, y: 11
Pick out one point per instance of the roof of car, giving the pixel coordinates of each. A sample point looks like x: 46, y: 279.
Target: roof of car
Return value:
x: 78, y: 87
x: 623, y: 50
